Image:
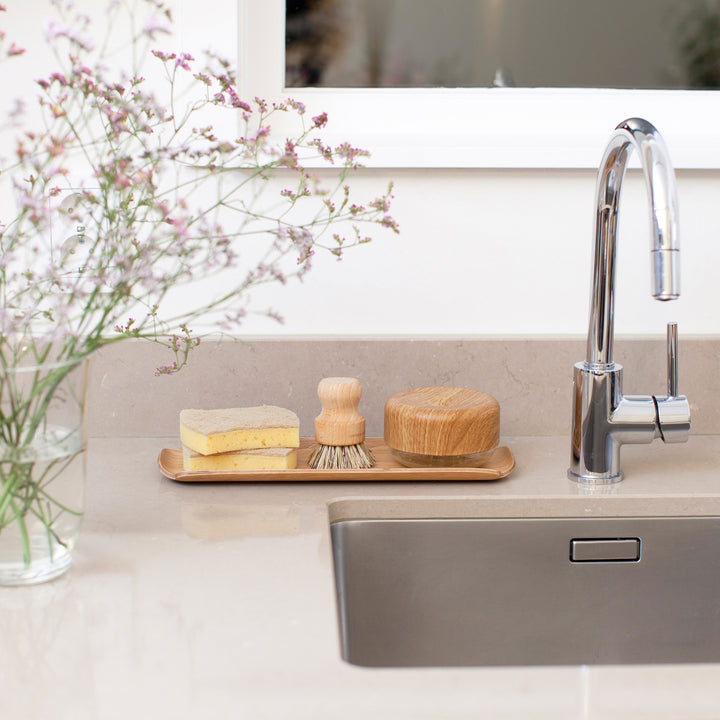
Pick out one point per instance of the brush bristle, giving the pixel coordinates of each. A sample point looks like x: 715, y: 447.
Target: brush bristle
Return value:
x: 341, y: 457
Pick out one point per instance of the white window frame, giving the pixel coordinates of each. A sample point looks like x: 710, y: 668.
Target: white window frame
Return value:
x: 483, y: 127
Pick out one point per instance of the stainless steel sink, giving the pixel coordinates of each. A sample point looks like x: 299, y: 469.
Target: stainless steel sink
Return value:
x: 537, y: 591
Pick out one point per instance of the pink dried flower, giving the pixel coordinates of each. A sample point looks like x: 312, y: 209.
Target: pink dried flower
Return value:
x: 184, y: 61
x: 154, y: 25
x: 55, y: 29
x: 320, y: 121
x: 163, y: 56
x: 174, y: 200
x: 236, y: 101
x: 275, y: 315
x: 325, y: 150
x: 296, y: 105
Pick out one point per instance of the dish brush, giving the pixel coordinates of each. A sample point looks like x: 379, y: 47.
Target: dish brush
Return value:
x: 340, y: 428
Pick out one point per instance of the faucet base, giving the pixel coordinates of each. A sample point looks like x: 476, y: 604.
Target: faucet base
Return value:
x: 589, y: 479
x: 603, y: 421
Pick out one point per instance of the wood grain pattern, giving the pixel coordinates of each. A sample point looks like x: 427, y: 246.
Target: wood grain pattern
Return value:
x: 339, y: 422
x: 499, y: 465
x: 442, y: 421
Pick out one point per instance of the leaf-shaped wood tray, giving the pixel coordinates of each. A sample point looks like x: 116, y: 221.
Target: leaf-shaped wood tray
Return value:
x: 499, y: 464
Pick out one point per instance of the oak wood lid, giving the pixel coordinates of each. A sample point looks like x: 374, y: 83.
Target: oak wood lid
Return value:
x: 442, y: 421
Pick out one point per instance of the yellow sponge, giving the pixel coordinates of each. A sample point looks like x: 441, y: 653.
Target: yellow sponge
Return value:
x: 220, y: 431
x: 275, y: 458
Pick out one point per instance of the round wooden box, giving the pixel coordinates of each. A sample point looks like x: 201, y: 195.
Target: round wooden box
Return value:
x: 442, y: 426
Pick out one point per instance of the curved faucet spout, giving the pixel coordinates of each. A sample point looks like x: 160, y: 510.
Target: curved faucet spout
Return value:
x: 664, y: 251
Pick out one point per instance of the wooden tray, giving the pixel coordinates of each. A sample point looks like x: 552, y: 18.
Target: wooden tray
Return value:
x: 499, y: 464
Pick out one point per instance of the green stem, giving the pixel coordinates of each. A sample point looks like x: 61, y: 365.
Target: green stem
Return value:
x: 22, y: 526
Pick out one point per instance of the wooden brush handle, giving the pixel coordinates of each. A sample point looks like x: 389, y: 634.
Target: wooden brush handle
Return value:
x: 339, y: 422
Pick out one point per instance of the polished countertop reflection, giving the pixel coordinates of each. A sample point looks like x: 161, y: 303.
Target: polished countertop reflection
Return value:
x: 217, y: 600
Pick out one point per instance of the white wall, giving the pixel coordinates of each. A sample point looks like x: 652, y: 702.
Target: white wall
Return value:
x: 506, y: 252
x: 501, y: 252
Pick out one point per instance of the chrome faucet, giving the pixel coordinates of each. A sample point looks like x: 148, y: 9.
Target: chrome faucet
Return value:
x: 603, y: 418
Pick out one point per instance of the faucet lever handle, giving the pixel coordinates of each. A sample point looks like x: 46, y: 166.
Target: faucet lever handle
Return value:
x: 672, y: 360
x: 673, y: 411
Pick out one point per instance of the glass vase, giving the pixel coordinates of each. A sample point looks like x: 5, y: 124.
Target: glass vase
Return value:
x: 42, y: 468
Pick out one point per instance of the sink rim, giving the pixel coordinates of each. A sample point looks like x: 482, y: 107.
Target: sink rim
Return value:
x: 399, y: 507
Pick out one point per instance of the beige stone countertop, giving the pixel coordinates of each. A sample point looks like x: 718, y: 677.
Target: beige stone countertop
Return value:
x: 217, y: 600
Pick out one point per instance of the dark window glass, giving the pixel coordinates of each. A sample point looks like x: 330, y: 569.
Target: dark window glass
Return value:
x: 481, y: 43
